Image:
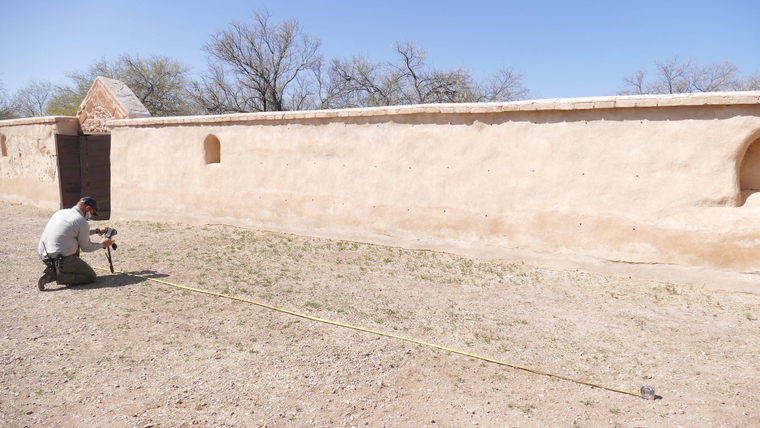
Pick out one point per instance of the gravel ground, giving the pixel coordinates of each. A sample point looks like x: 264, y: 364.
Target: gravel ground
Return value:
x: 131, y: 352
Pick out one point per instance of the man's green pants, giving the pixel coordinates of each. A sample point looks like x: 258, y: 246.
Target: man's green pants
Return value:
x: 74, y: 270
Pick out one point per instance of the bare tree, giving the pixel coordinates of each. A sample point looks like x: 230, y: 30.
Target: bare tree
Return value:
x: 419, y: 84
x: 719, y: 76
x: 636, y: 84
x: 32, y: 99
x: 359, y: 82
x: 413, y: 81
x: 674, y: 76
x: 259, y: 67
x: 749, y: 83
x: 7, y: 110
x: 158, y: 81
x: 265, y: 66
x: 215, y: 93
x: 504, y: 85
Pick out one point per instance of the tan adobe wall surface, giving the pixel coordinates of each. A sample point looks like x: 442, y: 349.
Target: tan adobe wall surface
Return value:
x: 28, y: 164
x: 645, y: 186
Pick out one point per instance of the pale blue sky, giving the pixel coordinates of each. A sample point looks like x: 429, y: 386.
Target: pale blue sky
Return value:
x: 563, y: 48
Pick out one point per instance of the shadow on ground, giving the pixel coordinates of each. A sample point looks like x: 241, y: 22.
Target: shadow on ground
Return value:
x: 113, y: 280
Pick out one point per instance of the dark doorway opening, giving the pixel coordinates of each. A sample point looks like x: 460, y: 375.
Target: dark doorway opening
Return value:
x: 84, y: 169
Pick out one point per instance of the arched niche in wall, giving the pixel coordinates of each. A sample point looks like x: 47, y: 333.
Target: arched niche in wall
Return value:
x: 749, y: 171
x: 3, y: 147
x: 212, y: 149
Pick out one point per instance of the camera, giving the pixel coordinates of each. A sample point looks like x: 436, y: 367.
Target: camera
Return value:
x: 109, y: 233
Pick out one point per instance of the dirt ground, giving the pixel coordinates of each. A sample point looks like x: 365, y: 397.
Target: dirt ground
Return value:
x: 129, y: 352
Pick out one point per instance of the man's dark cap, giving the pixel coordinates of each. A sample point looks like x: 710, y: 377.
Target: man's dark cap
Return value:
x: 92, y: 203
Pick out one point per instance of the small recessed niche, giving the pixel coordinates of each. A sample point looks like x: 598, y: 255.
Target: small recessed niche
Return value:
x: 212, y: 150
x: 3, y: 147
x: 749, y: 172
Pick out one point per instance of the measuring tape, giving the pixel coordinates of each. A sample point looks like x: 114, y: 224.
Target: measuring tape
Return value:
x: 647, y: 392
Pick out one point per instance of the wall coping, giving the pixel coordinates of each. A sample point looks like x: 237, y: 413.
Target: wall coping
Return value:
x: 628, y: 101
x: 607, y: 102
x: 42, y: 120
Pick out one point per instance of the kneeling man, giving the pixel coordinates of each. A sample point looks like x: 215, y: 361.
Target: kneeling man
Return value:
x: 65, y: 234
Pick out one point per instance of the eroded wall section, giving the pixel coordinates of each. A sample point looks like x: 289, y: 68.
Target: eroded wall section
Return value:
x: 28, y: 162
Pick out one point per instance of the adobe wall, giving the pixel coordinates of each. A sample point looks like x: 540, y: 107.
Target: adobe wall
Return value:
x: 28, y: 163
x: 641, y: 186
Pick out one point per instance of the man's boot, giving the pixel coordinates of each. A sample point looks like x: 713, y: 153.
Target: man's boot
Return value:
x: 48, y: 276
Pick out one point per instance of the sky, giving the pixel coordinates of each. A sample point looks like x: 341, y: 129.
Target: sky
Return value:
x: 564, y: 49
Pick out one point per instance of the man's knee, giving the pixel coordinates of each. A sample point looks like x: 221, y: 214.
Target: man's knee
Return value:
x: 75, y: 271
x: 75, y: 278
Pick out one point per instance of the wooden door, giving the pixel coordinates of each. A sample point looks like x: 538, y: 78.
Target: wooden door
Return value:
x: 84, y: 169
x: 69, y: 170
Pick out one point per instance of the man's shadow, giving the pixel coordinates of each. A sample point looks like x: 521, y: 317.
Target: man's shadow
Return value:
x: 113, y: 280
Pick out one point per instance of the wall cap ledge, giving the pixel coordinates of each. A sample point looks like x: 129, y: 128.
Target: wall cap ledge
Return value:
x: 587, y: 103
x: 40, y: 120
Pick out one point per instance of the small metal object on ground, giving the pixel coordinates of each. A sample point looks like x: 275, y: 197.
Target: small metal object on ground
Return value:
x: 647, y: 392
